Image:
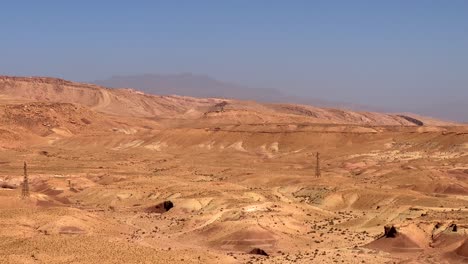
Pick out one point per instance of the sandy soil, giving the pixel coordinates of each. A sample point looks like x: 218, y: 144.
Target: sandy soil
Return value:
x: 102, y: 163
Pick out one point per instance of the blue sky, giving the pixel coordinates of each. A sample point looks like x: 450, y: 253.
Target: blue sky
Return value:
x: 385, y: 53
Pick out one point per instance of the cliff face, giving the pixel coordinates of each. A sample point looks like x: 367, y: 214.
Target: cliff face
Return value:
x: 44, y: 89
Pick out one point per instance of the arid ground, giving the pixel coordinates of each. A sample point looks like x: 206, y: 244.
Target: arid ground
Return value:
x: 118, y: 176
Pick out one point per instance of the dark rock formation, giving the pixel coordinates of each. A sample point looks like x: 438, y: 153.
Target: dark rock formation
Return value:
x: 390, y: 231
x: 412, y: 120
x: 161, y: 207
x: 4, y: 185
x: 454, y: 227
x: 258, y: 251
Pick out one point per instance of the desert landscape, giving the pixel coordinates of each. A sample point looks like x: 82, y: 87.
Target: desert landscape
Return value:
x: 119, y: 176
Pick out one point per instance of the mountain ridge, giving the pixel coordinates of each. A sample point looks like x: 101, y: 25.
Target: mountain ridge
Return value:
x: 131, y: 102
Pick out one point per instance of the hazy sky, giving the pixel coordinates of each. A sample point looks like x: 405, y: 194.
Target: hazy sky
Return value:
x: 384, y: 53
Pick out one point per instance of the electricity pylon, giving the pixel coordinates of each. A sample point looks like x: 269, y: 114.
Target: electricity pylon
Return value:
x: 25, y: 190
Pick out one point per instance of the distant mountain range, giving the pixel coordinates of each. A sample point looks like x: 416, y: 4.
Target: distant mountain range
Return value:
x: 54, y: 93
x: 187, y: 84
x: 457, y: 110
x: 203, y: 86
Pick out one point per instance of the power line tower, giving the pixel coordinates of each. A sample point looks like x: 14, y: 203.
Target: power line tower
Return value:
x: 25, y: 190
x: 317, y: 167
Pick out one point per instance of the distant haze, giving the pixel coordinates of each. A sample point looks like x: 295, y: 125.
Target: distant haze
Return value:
x: 399, y: 56
x: 190, y: 85
x: 187, y: 84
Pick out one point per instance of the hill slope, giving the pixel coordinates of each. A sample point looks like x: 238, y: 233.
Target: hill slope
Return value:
x: 129, y: 102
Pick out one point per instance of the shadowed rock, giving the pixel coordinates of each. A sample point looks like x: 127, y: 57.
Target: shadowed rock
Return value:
x: 412, y: 120
x: 258, y: 251
x: 4, y: 185
x: 390, y: 231
x: 454, y: 227
x: 161, y: 207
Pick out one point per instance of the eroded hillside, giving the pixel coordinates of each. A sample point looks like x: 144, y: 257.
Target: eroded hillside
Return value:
x: 120, y: 176
x: 128, y: 102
